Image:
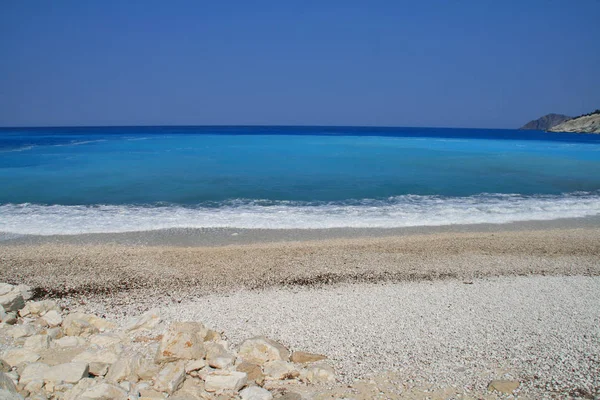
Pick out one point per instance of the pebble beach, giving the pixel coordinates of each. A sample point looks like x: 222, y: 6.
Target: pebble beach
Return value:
x: 422, y: 315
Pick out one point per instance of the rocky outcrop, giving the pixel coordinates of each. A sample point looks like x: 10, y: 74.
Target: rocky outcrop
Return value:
x: 546, y: 122
x: 54, y: 354
x: 588, y: 123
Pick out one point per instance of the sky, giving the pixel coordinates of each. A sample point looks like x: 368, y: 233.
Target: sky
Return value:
x: 463, y: 63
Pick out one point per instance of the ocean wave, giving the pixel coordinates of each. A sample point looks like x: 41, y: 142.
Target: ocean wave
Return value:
x: 394, y: 212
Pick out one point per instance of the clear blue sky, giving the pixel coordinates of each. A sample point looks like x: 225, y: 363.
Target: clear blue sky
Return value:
x: 478, y: 63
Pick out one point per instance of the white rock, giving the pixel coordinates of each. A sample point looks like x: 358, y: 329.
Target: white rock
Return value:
x: 125, y: 368
x: 182, y: 341
x: 79, y: 389
x: 6, y: 395
x: 318, y: 373
x: 106, y: 339
x: 78, y: 327
x: 2, y: 313
x: 20, y: 331
x: 38, y: 308
x: 260, y: 350
x: 11, y: 298
x: 97, y: 356
x: 37, y: 343
x: 26, y: 292
x: 68, y: 373
x: 194, y: 365
x: 98, y: 324
x: 6, y: 288
x: 52, y: 318
x: 225, y: 380
x: 170, y: 378
x: 217, y: 356
x: 14, y: 357
x: 104, y: 391
x: 69, y: 341
x: 6, y: 383
x: 33, y: 372
x: 99, y: 369
x: 280, y: 370
x: 255, y: 393
x: 35, y: 386
x: 148, y: 320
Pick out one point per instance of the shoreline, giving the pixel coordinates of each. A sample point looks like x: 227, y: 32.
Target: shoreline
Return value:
x: 215, y: 237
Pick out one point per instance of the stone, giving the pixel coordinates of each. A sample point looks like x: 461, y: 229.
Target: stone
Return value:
x: 4, y: 367
x: 39, y: 308
x: 148, y: 321
x: 52, y: 318
x: 6, y: 395
x: 194, y: 365
x: 280, y: 370
x: 11, y: 298
x: 254, y: 372
x: 260, y: 350
x: 16, y: 356
x: 97, y: 356
x: 170, y: 378
x: 192, y: 389
x: 35, y: 386
x: 302, y: 357
x: 69, y: 341
x: 503, y: 386
x: 10, y: 318
x: 318, y: 373
x: 125, y: 368
x: 33, y: 372
x: 103, y: 391
x: 105, y: 339
x: 151, y: 394
x: 255, y: 393
x: 179, y: 344
x: 225, y: 380
x: 71, y: 372
x: 37, y: 343
x: 77, y: 390
x: 20, y: 331
x: 217, y: 356
x: 99, y: 368
x: 2, y: 313
x: 7, y: 384
x: 78, y: 327
x: 26, y: 291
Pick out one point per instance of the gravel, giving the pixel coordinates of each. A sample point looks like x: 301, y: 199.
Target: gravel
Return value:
x: 543, y: 331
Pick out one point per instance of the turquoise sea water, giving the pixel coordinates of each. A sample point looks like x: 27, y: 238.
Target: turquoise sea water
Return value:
x: 67, y: 180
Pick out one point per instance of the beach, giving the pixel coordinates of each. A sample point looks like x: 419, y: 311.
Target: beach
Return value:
x: 444, y: 309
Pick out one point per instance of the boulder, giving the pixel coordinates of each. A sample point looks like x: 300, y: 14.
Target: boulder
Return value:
x: 20, y: 331
x: 125, y: 368
x: 2, y: 313
x: 182, y: 342
x: 99, y: 368
x: 7, y: 384
x: 6, y: 395
x: 69, y: 341
x: 218, y: 381
x: 147, y: 321
x: 170, y: 378
x: 33, y: 372
x: 503, y: 386
x: 98, y: 324
x: 103, y: 391
x: 39, y: 308
x: 280, y: 370
x: 11, y: 298
x: 97, y: 356
x: 194, y: 365
x: 37, y: 343
x: 52, y: 318
x: 217, y: 356
x: 318, y: 373
x: 78, y: 327
x: 260, y: 350
x: 254, y: 372
x: 4, y: 367
x: 71, y: 372
x: 105, y: 339
x: 14, y: 357
x: 26, y: 291
x: 302, y: 357
x: 255, y: 393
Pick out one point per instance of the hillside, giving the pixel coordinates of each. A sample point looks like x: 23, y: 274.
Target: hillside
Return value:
x: 546, y: 122
x: 588, y: 123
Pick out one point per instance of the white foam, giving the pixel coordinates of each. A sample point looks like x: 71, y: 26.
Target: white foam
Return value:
x: 401, y: 211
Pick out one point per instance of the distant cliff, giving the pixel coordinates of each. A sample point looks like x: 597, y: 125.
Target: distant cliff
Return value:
x: 588, y: 123
x: 546, y: 122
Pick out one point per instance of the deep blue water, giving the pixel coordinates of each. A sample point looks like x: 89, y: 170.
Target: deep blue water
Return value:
x: 68, y: 180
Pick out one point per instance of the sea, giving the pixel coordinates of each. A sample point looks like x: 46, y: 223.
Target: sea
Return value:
x: 70, y: 181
